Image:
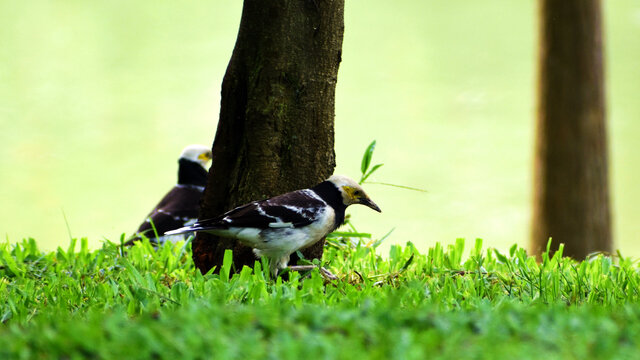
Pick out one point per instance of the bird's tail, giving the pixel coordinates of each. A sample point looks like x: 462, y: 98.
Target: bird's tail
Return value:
x: 183, y: 230
x: 207, y: 225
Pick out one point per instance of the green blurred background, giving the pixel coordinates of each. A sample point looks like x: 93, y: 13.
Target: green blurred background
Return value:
x: 97, y: 99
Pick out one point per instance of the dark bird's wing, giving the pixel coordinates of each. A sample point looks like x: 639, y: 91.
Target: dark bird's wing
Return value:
x: 177, y: 207
x: 294, y: 209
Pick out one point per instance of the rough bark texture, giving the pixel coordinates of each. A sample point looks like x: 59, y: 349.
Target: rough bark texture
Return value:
x: 571, y: 192
x: 276, y: 128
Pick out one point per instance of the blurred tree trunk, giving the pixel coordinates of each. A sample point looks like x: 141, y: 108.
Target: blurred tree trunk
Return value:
x: 571, y: 191
x: 276, y: 128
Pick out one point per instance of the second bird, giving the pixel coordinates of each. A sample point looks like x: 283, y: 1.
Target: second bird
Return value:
x: 180, y: 206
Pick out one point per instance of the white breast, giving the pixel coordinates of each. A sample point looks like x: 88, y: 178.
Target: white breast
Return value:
x: 279, y: 242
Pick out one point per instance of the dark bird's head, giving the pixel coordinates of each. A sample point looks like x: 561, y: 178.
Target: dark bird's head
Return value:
x: 352, y: 192
x: 193, y: 164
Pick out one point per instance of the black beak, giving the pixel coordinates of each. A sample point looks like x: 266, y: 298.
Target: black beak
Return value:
x: 371, y: 204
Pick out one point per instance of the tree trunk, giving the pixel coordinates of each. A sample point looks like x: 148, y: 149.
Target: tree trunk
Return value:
x: 571, y: 192
x: 276, y: 128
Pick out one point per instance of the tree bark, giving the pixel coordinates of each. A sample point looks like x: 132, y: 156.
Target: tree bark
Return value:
x: 571, y: 192
x: 276, y: 128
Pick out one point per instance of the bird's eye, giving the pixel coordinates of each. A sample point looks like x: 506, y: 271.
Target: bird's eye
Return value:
x: 357, y: 193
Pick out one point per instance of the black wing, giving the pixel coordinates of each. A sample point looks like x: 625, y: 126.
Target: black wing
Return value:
x: 180, y: 205
x: 294, y: 209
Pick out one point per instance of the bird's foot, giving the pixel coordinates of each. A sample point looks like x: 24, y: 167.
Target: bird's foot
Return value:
x: 323, y: 271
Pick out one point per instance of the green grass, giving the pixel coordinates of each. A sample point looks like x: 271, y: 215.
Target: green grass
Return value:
x: 96, y: 103
x: 146, y: 303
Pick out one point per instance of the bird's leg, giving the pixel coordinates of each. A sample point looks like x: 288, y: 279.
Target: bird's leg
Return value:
x: 274, y: 269
x: 323, y: 271
x: 327, y: 274
x: 301, y: 267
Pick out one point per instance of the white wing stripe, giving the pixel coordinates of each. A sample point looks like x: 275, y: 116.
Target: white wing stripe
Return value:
x: 263, y: 213
x: 279, y: 225
x: 312, y: 194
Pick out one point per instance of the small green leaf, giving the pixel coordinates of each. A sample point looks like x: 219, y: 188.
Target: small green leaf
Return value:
x: 477, y: 249
x: 512, y: 250
x: 225, y: 270
x: 366, y: 158
x: 134, y: 274
x: 12, y: 265
x: 406, y: 265
x: 72, y: 246
x: 374, y: 168
x: 501, y: 257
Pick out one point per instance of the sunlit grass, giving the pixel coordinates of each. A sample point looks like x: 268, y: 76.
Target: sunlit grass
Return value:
x: 97, y: 99
x: 140, y: 302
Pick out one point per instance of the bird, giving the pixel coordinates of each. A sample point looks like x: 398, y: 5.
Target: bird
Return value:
x: 279, y: 226
x: 180, y: 206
